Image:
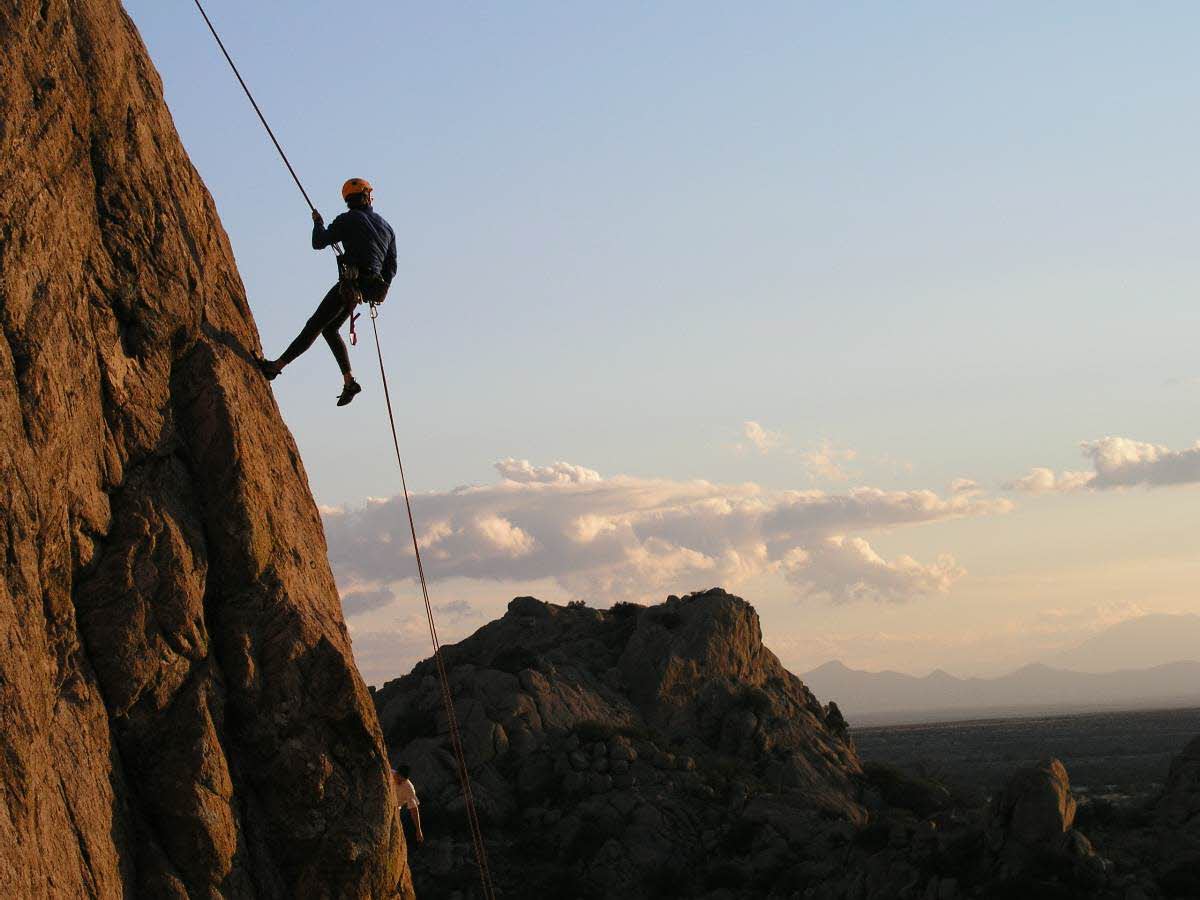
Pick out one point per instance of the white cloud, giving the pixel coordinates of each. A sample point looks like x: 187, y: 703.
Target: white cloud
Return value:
x: 826, y: 461
x: 1117, y: 462
x: 607, y: 538
x: 761, y: 439
x: 1045, y: 481
x: 503, y: 536
x: 1120, y: 462
x: 846, y: 570
x: 522, y: 471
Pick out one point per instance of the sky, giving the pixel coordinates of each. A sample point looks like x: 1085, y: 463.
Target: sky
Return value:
x: 881, y: 316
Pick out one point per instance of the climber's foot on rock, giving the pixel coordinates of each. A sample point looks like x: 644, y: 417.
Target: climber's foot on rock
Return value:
x: 269, y: 368
x: 349, y: 392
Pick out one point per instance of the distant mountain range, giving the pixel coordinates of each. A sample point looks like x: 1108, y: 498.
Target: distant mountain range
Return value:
x: 1140, y: 643
x: 1072, y: 684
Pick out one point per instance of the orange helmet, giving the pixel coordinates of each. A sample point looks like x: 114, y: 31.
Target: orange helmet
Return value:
x: 355, y: 186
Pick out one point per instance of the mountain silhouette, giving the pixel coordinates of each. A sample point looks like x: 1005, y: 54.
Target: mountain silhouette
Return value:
x: 1036, y: 687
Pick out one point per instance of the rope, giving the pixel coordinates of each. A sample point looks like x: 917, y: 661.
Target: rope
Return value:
x: 249, y: 96
x: 464, y: 777
x: 485, y: 877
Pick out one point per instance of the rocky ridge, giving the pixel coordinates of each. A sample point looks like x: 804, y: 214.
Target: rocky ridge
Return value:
x: 663, y: 751
x: 607, y: 749
x: 181, y: 716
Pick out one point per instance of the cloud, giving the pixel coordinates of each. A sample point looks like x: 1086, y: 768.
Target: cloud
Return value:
x: 520, y: 470
x: 621, y: 536
x: 357, y: 602
x: 847, y: 570
x: 1117, y: 462
x: 456, y: 609
x: 761, y: 439
x: 1086, y: 619
x: 1046, y: 481
x: 826, y: 461
x: 1120, y: 462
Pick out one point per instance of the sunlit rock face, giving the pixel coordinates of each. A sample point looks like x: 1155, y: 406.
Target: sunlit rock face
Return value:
x: 179, y: 712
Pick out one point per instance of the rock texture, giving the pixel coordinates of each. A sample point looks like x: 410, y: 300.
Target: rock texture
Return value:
x: 179, y: 712
x: 657, y: 752
x: 639, y: 752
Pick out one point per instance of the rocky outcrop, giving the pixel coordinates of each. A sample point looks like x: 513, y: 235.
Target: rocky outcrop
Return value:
x: 634, y: 752
x: 663, y: 751
x: 179, y: 712
x: 1036, y: 807
x: 1177, y: 826
x: 1031, y: 831
x: 1179, y: 807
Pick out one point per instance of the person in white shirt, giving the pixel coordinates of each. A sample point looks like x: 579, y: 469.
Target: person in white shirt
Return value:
x: 406, y: 798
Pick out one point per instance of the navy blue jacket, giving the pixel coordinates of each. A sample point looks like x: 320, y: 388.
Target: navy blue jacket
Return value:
x: 368, y: 239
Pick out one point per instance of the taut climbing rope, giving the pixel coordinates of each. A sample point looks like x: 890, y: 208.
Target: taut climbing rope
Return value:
x: 464, y: 777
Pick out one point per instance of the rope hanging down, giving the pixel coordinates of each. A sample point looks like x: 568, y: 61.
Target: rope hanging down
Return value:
x: 485, y: 877
x: 455, y: 737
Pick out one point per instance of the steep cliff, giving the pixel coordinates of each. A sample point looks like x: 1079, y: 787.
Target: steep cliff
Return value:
x: 179, y: 712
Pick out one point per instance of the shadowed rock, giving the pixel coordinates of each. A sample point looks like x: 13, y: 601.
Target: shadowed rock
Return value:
x: 1036, y: 807
x: 636, y: 752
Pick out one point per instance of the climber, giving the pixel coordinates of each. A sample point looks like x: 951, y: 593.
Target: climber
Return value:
x: 366, y: 270
x: 406, y: 798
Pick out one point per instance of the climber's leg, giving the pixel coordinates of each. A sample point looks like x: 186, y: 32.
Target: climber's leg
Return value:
x: 333, y: 337
x: 330, y: 309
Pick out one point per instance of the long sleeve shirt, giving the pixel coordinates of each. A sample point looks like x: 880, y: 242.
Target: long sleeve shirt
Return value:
x: 368, y: 239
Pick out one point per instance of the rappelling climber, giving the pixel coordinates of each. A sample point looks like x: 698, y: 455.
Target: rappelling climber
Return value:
x: 366, y: 270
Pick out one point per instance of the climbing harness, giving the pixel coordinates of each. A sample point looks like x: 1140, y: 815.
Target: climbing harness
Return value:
x: 464, y: 777
x: 351, y: 294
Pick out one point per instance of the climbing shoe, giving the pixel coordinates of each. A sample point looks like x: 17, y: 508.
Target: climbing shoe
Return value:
x: 269, y: 368
x: 349, y: 392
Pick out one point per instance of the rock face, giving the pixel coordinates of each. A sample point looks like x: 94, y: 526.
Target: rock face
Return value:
x: 639, y: 752
x: 179, y: 712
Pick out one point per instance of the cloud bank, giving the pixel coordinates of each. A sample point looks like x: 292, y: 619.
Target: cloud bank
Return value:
x: 1117, y: 462
x: 626, y: 537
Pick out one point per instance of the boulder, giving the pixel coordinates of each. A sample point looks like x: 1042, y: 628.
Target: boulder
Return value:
x: 1036, y: 807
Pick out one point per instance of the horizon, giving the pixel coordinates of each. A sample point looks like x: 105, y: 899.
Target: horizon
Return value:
x: 899, y: 346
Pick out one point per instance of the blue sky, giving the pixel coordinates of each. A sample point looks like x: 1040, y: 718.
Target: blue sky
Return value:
x: 955, y: 242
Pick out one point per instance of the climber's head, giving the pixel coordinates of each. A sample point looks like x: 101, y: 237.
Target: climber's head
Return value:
x: 403, y: 771
x: 356, y: 192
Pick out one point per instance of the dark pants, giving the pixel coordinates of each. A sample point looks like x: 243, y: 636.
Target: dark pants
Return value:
x: 329, y: 317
